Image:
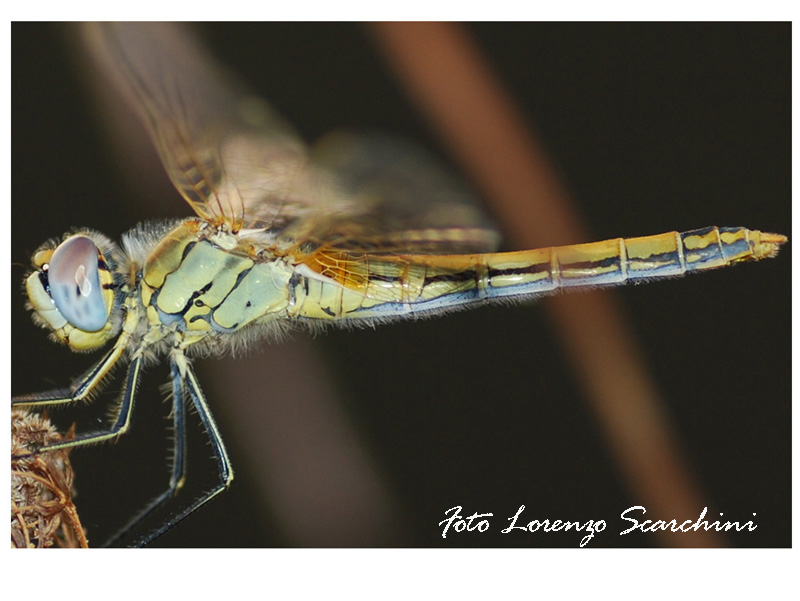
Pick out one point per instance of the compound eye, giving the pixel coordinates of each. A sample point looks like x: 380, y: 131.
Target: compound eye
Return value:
x: 75, y: 284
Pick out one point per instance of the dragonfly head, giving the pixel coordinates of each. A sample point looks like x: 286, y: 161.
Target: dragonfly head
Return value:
x: 72, y: 292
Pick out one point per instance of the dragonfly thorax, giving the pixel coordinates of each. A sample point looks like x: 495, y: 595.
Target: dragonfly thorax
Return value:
x: 204, y: 285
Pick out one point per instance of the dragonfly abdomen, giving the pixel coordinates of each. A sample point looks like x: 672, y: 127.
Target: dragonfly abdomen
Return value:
x: 620, y: 260
x: 358, y: 287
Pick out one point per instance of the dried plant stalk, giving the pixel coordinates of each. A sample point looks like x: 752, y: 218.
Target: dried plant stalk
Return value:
x: 42, y: 512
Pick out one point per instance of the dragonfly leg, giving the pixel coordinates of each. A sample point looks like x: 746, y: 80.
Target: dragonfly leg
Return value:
x: 178, y: 459
x: 192, y: 386
x: 87, y: 383
x: 92, y: 378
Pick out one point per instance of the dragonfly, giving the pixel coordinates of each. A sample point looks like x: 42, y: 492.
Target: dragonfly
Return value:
x: 285, y: 237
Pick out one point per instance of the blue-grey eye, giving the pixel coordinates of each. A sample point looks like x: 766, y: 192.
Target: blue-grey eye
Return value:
x: 75, y: 284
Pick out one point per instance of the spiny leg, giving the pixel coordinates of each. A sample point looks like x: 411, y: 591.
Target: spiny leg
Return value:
x: 92, y: 378
x: 87, y: 383
x: 220, y: 453
x: 178, y: 459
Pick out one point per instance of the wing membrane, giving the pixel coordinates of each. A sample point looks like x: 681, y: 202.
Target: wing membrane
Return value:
x: 240, y: 166
x: 222, y: 148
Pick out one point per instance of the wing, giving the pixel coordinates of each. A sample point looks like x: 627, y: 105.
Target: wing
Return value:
x: 400, y: 201
x: 239, y: 165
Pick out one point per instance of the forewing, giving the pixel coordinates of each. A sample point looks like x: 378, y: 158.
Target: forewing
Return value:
x: 238, y: 164
x: 224, y: 150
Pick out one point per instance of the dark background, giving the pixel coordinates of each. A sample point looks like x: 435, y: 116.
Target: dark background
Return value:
x: 653, y: 128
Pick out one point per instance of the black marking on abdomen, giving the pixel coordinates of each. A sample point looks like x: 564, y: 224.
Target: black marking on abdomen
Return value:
x: 389, y: 279
x: 460, y: 276
x: 527, y: 270
x: 589, y: 265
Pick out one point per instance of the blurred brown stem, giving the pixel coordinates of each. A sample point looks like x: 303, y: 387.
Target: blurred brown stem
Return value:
x: 456, y: 90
